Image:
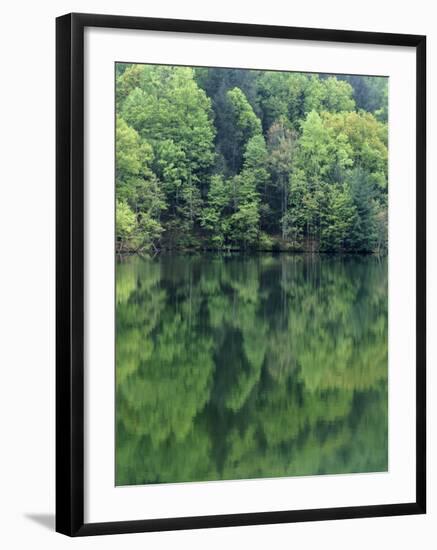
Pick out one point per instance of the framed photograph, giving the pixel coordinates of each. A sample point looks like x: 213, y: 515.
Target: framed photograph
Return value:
x: 240, y: 274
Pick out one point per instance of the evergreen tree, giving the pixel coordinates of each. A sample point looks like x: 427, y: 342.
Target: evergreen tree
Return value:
x: 246, y: 125
x: 363, y: 233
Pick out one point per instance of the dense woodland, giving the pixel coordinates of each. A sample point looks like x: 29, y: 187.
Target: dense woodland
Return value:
x: 232, y: 159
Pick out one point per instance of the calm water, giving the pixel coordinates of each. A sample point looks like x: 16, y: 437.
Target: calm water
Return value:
x: 245, y: 367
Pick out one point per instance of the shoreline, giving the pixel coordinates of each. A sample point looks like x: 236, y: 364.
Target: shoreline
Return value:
x: 234, y: 252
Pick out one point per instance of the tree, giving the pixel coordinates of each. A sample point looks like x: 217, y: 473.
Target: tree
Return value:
x: 337, y: 219
x: 323, y: 153
x: 126, y: 224
x: 170, y: 106
x: 246, y: 125
x: 381, y: 230
x: 219, y: 158
x: 128, y: 79
x: 174, y: 115
x: 281, y: 95
x: 217, y: 82
x: 370, y: 94
x: 214, y: 217
x: 244, y: 222
x: 256, y: 159
x: 363, y: 233
x: 299, y: 214
x: 368, y: 141
x: 282, y: 143
x: 189, y: 215
x: 138, y: 191
x: 337, y: 96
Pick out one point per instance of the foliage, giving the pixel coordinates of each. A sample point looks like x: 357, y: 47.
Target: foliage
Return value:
x: 244, y: 159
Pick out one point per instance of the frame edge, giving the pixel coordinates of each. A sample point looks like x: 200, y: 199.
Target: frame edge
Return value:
x: 421, y: 274
x: 70, y: 276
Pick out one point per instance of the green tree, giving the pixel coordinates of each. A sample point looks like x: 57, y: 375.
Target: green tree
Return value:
x: 126, y: 224
x: 174, y: 115
x: 138, y: 191
x: 323, y: 153
x: 368, y: 140
x: 363, y: 233
x: 170, y: 105
x: 214, y: 215
x: 219, y: 158
x: 337, y: 95
x: 370, y: 94
x: 128, y: 79
x: 244, y: 222
x: 246, y: 124
x: 282, y: 144
x: 282, y: 95
x: 217, y: 82
x: 337, y: 218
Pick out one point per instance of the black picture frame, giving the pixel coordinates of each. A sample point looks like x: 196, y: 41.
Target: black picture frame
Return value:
x: 70, y: 273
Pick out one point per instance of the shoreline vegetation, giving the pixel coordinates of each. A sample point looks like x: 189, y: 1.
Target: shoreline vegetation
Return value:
x: 237, y: 251
x: 234, y: 160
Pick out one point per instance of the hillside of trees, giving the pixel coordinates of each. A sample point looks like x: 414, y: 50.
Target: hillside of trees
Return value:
x: 233, y: 159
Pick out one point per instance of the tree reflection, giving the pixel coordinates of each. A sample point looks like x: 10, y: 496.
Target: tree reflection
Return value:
x: 240, y: 367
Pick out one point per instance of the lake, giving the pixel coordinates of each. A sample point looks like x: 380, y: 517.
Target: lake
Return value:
x: 250, y: 366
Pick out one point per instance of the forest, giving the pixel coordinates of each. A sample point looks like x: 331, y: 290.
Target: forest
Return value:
x: 241, y: 160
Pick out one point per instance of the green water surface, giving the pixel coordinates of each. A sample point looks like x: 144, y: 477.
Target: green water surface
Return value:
x: 235, y: 367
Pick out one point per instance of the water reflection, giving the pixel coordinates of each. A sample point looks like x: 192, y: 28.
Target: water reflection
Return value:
x: 246, y: 367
